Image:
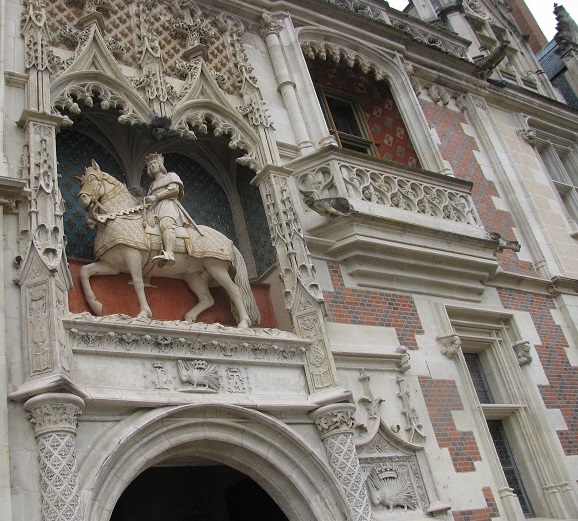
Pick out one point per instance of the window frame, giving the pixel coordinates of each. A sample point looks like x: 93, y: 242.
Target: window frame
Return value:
x: 520, y: 406
x: 363, y: 141
x: 559, y: 157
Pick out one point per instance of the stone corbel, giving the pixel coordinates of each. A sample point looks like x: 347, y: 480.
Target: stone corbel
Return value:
x: 450, y: 344
x: 527, y: 135
x: 522, y: 349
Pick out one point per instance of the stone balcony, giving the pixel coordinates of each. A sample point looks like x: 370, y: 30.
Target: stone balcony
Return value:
x: 392, y: 226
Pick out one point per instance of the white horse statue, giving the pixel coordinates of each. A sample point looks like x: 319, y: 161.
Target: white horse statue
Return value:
x: 124, y: 245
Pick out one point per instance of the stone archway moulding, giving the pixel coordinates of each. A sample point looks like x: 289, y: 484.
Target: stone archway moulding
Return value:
x: 258, y: 445
x: 329, y: 45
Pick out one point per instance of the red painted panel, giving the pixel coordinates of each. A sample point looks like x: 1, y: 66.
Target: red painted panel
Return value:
x: 171, y: 299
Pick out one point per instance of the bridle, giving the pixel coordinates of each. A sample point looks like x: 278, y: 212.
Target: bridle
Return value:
x: 91, y: 188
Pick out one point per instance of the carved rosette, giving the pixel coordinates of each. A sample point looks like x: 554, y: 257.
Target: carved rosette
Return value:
x: 335, y: 423
x: 54, y: 418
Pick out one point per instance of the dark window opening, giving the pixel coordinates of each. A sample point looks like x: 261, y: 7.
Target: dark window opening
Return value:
x: 345, y: 122
x: 509, y: 466
x: 478, y: 377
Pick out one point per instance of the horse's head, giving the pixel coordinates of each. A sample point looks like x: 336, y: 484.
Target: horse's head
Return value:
x: 92, y: 187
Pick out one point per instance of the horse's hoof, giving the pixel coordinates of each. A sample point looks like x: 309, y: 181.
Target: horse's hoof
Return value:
x: 190, y: 319
x: 144, y: 314
x: 244, y: 324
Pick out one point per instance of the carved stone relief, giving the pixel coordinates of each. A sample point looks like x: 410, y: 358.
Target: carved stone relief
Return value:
x: 523, y: 349
x: 450, y: 344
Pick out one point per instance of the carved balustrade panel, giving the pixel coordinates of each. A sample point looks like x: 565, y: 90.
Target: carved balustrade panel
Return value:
x: 336, y: 175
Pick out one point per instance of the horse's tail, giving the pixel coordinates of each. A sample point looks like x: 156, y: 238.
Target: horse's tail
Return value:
x: 242, y: 280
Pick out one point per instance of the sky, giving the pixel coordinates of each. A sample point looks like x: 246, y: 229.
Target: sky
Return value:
x: 543, y: 11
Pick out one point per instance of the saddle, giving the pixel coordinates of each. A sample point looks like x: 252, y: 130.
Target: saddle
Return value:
x: 184, y: 236
x: 196, y: 240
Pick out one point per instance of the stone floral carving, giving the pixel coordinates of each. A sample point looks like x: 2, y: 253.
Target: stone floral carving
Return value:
x: 413, y: 426
x: 527, y: 135
x: 474, y: 7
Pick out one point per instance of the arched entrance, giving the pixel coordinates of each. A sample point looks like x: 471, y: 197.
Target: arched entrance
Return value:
x: 255, y: 445
x: 204, y: 491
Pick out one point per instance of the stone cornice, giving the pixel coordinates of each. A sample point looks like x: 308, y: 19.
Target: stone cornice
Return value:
x: 553, y: 287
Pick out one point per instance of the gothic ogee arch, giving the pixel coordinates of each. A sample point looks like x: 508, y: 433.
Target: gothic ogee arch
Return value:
x: 95, y: 78
x: 260, y: 446
x: 325, y: 44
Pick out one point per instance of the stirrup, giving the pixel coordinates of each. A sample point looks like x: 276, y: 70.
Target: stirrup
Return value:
x: 164, y: 259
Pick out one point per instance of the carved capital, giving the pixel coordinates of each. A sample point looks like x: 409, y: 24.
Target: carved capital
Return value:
x: 450, y: 344
x: 54, y: 413
x: 334, y: 419
x: 270, y: 24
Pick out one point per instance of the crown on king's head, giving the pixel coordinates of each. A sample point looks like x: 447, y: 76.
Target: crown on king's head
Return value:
x: 155, y: 156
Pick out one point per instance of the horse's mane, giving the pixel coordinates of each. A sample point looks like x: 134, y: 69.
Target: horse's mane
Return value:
x: 125, y: 197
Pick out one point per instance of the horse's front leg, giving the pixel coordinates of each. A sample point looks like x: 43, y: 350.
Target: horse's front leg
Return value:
x: 134, y: 263
x: 88, y: 270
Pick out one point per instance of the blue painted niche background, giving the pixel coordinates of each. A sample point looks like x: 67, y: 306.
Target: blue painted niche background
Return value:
x: 204, y: 198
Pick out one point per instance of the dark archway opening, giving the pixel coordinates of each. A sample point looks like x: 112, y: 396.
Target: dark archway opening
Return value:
x: 195, y: 493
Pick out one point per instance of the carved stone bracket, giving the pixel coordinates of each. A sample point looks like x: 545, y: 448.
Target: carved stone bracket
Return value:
x: 527, y: 135
x: 522, y: 348
x: 450, y: 344
x: 54, y: 418
x: 335, y: 424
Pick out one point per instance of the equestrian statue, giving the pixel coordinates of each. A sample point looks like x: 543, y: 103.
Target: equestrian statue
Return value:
x: 158, y: 238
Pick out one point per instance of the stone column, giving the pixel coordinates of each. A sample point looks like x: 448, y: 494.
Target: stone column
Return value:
x: 54, y: 418
x: 270, y: 29
x: 335, y: 423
